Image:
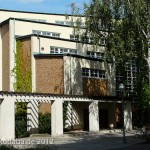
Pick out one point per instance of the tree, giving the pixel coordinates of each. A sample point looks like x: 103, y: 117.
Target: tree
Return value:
x: 126, y: 25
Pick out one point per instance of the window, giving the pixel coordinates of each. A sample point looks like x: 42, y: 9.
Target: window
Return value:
x: 46, y: 33
x: 74, y: 37
x: 95, y: 54
x: 61, y: 50
x: 93, y: 73
x: 103, y: 41
x: 69, y: 23
x: 52, y: 50
x: 130, y: 77
x: 60, y: 22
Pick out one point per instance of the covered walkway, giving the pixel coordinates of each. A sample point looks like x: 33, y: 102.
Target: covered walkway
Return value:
x: 7, y: 111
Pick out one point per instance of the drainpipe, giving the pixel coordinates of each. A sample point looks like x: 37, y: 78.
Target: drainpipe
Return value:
x: 39, y: 43
x: 14, y: 88
x: 70, y: 75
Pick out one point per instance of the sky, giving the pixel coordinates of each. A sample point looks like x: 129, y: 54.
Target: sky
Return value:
x: 45, y: 6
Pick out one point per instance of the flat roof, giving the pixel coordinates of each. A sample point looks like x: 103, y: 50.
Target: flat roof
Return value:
x: 33, y: 12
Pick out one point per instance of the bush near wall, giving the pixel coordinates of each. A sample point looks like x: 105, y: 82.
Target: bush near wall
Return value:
x: 21, y: 120
x: 45, y: 123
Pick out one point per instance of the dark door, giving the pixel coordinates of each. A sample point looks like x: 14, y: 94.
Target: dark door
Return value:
x: 86, y: 119
x: 103, y: 118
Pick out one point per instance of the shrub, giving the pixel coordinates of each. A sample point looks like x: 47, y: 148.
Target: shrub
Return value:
x: 45, y: 123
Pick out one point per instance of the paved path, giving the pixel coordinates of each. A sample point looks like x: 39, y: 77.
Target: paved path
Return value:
x: 82, y: 141
x: 140, y: 146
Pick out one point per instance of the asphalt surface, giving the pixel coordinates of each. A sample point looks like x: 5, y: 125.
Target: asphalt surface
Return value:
x: 139, y: 146
x: 83, y: 141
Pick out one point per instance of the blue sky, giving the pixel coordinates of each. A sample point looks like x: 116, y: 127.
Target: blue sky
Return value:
x: 48, y: 6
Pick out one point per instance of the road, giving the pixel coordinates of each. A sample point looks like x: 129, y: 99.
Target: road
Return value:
x: 140, y: 146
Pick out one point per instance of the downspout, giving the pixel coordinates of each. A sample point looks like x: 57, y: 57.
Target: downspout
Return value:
x: 70, y: 75
x: 14, y: 84
x: 39, y: 44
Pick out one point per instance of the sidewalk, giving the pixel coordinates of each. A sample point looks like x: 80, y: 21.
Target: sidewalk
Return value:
x: 80, y: 140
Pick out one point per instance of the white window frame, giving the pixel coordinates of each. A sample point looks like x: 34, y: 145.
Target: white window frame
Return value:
x: 93, y: 73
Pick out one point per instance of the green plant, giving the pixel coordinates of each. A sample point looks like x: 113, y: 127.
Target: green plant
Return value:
x: 21, y: 119
x: 22, y: 70
x: 4, y: 147
x: 45, y: 123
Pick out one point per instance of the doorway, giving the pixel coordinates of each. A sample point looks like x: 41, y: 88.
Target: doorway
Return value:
x: 86, y: 119
x: 103, y: 118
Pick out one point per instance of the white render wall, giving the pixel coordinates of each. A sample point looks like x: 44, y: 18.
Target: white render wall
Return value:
x: 47, y: 42
x: 25, y: 28
x: 7, y: 118
x: 0, y: 61
x: 73, y: 74
x: 30, y: 15
x: 12, y: 51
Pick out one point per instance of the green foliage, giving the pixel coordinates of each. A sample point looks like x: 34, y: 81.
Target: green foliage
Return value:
x: 65, y: 117
x: 126, y: 25
x: 4, y: 147
x: 45, y: 123
x: 22, y: 71
x: 21, y: 119
x: 21, y: 109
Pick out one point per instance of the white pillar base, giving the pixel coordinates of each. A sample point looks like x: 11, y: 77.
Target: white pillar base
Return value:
x: 93, y: 117
x: 7, y: 119
x: 57, y: 117
x: 32, y: 117
x: 128, y: 116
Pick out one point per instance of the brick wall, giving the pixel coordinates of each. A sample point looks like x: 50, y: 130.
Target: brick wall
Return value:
x: 50, y: 75
x: 44, y: 108
x: 5, y: 57
x: 94, y: 87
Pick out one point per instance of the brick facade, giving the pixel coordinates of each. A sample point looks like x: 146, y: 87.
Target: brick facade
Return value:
x: 5, y: 57
x: 94, y: 87
x: 50, y: 75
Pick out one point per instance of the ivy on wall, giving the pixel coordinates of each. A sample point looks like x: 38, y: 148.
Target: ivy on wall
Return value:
x: 22, y: 70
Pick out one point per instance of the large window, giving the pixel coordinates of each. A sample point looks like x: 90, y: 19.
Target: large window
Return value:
x: 95, y: 54
x: 46, y: 33
x: 93, y: 73
x: 62, y: 50
x: 130, y: 78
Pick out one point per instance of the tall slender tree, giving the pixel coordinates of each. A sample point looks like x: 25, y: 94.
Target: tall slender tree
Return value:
x: 126, y: 25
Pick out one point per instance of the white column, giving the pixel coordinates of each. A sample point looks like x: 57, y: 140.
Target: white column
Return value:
x: 128, y: 115
x: 93, y: 116
x: 0, y: 61
x: 7, y: 119
x: 57, y: 117
x: 32, y: 117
